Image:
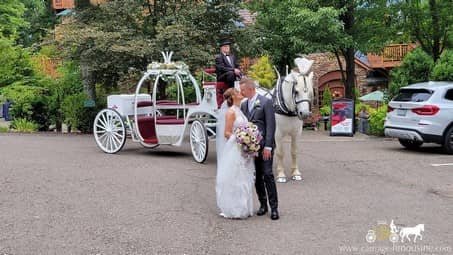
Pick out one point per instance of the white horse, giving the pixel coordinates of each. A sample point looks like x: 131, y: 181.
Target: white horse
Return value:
x: 292, y: 97
x: 416, y: 231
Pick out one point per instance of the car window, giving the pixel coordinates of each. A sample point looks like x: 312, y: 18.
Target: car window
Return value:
x: 413, y: 95
x: 449, y: 95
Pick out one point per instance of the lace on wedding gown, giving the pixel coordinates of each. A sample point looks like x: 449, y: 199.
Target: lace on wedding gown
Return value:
x: 235, y: 176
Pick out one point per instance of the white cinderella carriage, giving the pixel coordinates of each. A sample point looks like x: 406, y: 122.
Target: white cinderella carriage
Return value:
x: 152, y: 121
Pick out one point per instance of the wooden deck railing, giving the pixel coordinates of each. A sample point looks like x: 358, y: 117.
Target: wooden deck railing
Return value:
x: 391, y: 55
x: 63, y: 4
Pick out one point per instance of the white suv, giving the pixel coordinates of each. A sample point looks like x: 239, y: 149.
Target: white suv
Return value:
x: 422, y: 113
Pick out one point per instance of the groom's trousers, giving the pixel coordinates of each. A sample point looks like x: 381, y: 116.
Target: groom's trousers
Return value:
x: 265, y: 181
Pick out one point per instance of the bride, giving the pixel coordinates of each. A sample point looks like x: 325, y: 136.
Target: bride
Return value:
x: 235, y: 172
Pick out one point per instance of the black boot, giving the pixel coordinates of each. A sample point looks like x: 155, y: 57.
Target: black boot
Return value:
x: 274, y: 214
x: 262, y: 211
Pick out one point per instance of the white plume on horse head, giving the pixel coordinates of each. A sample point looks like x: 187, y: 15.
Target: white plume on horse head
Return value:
x: 304, y: 65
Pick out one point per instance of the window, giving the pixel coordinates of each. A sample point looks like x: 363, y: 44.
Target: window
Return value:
x: 413, y: 95
x: 449, y: 95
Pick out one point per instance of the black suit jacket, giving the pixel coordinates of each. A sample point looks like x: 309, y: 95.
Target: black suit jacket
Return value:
x: 222, y: 65
x: 263, y: 116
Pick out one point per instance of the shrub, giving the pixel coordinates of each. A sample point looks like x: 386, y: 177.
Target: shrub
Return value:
x: 443, y: 70
x: 28, y: 102
x: 377, y: 119
x: 326, y: 97
x: 416, y: 67
x: 24, y: 125
x: 72, y: 108
x: 263, y: 72
x: 325, y: 110
x: 359, y: 105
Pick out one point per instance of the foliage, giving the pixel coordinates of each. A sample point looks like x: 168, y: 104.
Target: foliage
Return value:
x: 117, y: 36
x: 72, y: 108
x: 41, y: 19
x: 415, y: 67
x: 24, y: 125
x: 325, y: 110
x: 359, y: 105
x: 11, y: 19
x: 340, y: 27
x: 263, y: 72
x: 429, y: 23
x: 189, y: 92
x: 15, y: 63
x: 443, y: 69
x: 29, y: 102
x: 327, y: 97
x: 3, y: 129
x: 377, y: 119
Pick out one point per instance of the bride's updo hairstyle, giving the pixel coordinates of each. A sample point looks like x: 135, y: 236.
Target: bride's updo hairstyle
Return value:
x: 228, y: 96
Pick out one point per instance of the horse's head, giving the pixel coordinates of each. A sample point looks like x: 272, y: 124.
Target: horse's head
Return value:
x: 302, y: 93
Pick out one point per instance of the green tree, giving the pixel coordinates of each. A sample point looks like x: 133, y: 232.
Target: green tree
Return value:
x: 114, y: 38
x: 263, y: 72
x: 341, y: 27
x: 41, y: 19
x: 430, y: 23
x: 12, y: 18
x: 415, y: 67
x: 15, y: 63
x: 326, y: 97
x: 443, y: 69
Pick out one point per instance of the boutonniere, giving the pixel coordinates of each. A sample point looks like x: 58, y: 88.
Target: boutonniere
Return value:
x: 257, y: 103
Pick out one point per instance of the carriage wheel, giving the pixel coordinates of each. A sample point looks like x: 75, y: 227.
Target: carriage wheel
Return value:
x: 109, y: 131
x: 199, y: 142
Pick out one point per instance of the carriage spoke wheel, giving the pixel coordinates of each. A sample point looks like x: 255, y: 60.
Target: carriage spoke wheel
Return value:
x: 199, y: 141
x: 109, y: 131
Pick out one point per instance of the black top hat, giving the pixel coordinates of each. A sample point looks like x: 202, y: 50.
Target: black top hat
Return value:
x: 225, y: 42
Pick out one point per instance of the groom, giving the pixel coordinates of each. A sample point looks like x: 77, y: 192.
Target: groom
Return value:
x: 260, y: 111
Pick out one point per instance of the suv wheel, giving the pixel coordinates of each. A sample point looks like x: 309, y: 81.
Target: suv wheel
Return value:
x: 410, y: 144
x: 448, y: 141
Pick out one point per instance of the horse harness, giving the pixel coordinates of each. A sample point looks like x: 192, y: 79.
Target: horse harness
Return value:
x: 280, y: 106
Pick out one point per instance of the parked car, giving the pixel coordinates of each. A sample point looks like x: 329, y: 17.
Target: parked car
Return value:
x: 422, y: 113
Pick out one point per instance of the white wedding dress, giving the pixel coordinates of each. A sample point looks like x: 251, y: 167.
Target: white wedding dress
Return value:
x: 235, y: 173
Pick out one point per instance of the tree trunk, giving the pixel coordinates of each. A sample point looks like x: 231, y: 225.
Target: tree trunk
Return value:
x: 350, y: 73
x: 349, y: 53
x: 437, y: 32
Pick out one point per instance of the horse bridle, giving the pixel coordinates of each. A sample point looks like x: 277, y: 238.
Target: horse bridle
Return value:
x: 280, y: 102
x: 296, y: 102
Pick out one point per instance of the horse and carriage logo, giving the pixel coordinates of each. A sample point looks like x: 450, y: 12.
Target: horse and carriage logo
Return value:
x: 383, y: 231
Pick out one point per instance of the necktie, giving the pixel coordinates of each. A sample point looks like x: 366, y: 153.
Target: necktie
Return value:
x: 251, y: 105
x: 229, y: 60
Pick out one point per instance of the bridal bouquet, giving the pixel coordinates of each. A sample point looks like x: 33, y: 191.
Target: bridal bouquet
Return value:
x: 248, y: 137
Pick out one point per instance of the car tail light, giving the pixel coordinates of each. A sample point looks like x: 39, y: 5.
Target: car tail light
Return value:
x: 389, y: 108
x: 426, y: 110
